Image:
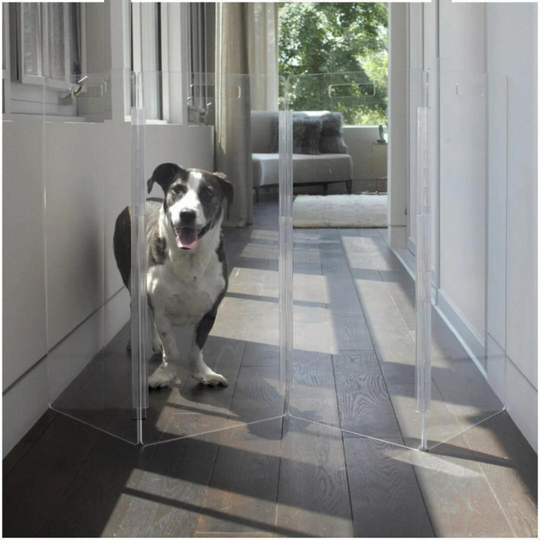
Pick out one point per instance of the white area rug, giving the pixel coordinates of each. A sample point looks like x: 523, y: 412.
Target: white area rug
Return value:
x: 333, y: 211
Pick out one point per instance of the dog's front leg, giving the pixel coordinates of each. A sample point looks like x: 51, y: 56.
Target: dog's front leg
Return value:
x: 199, y: 369
x: 157, y: 347
x: 166, y: 372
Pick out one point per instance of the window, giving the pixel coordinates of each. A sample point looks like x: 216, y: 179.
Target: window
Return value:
x: 49, y: 43
x: 201, y: 62
x: 347, y: 39
x: 172, y: 46
x: 146, y: 54
x: 47, y: 51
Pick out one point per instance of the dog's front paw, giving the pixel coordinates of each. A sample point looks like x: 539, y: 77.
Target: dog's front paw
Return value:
x: 161, y: 378
x: 211, y: 378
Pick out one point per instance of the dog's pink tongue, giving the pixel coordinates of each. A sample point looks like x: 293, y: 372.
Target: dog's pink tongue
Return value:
x: 186, y: 238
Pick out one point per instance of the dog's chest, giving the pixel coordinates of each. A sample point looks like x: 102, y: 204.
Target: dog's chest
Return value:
x: 187, y: 288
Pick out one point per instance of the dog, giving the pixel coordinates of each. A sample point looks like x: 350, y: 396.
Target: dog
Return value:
x: 187, y: 274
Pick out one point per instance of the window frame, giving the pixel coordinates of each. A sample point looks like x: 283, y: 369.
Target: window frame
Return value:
x: 200, y: 91
x: 146, y: 53
x: 49, y: 82
x: 26, y: 94
x: 174, y: 41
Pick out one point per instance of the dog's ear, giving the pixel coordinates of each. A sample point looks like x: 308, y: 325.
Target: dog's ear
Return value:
x: 227, y: 189
x: 164, y: 175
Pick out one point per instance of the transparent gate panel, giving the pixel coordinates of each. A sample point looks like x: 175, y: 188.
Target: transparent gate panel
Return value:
x: 321, y: 320
x: 468, y: 375
x: 354, y: 302
x: 233, y: 129
x: 87, y: 182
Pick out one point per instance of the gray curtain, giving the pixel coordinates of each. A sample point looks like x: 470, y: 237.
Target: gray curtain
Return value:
x: 263, y: 55
x: 233, y: 109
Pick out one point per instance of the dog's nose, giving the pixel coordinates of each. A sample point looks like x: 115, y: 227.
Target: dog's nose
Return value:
x: 187, y: 215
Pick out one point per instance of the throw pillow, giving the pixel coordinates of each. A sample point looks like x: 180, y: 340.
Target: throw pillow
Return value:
x: 331, y: 141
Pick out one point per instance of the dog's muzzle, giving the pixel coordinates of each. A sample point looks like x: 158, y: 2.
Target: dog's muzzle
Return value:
x: 186, y: 230
x: 186, y: 237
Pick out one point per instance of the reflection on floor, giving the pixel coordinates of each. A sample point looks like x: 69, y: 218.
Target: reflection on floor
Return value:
x: 354, y: 358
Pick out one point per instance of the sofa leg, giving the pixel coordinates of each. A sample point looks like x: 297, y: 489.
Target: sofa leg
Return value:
x: 325, y: 189
x: 257, y: 193
x: 349, y: 186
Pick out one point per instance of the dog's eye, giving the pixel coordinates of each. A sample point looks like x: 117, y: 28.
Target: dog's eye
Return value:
x: 178, y: 188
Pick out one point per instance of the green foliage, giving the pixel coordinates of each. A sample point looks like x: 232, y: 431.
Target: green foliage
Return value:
x: 344, y: 49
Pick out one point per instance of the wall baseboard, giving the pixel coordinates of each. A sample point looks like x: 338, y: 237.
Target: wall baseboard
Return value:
x: 455, y: 321
x: 522, y: 403
x: 463, y: 331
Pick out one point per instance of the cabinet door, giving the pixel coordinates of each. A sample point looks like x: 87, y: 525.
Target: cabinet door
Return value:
x: 24, y: 273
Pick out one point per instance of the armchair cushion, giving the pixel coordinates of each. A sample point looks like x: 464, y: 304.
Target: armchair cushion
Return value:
x: 331, y: 141
x: 309, y: 142
x: 307, y: 169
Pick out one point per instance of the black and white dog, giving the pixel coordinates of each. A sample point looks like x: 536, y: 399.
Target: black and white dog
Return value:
x: 187, y: 272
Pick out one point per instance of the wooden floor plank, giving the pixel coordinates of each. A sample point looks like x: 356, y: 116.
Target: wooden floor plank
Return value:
x: 313, y: 497
x: 458, y: 496
x: 197, y: 408
x: 244, y: 478
x: 172, y: 489
x: 349, y: 332
x: 313, y: 396
x: 390, y: 335
x: 37, y: 483
x: 22, y: 447
x: 385, y: 496
x: 363, y: 399
x: 95, y: 502
x: 441, y: 424
x: 257, y: 395
x: 348, y: 328
x: 244, y: 482
x: 260, y: 354
x: 511, y: 468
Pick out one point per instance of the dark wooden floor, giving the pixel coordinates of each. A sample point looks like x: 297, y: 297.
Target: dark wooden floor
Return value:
x: 299, y: 476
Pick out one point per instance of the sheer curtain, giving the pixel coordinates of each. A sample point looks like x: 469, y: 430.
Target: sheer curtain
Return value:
x: 246, y: 44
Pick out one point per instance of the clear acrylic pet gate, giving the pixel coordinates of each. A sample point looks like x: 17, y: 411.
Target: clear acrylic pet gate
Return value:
x: 374, y: 353
x: 354, y: 352
x: 468, y: 150
x: 284, y: 350
x: 86, y: 153
x: 120, y: 127
x: 243, y: 344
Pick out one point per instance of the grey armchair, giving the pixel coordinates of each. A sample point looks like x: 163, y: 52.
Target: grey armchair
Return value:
x: 308, y: 169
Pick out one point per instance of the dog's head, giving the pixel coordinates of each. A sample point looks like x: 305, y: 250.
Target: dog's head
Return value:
x: 193, y: 200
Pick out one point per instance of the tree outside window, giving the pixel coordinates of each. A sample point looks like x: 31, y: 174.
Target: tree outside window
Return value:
x: 339, y: 53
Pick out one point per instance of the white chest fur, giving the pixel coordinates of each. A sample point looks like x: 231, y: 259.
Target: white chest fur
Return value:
x: 187, y: 286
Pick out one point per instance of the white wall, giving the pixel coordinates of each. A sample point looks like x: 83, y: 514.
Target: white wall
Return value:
x: 23, y: 250
x: 368, y: 161
x: 512, y: 34
x: 87, y: 174
x: 499, y: 327
x: 463, y: 179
